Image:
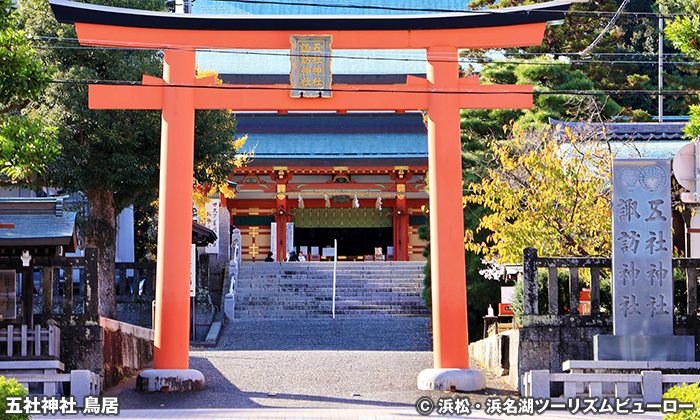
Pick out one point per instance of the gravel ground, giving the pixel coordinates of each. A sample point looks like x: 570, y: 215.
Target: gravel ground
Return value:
x: 310, y: 363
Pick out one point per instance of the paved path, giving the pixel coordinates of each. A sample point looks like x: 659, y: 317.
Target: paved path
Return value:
x: 308, y: 363
x: 311, y: 369
x: 340, y: 414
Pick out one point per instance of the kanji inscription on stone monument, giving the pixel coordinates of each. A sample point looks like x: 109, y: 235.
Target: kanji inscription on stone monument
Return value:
x: 642, y: 248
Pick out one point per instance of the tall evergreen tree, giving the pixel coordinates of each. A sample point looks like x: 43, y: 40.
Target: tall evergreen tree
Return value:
x: 112, y: 156
x: 625, y: 58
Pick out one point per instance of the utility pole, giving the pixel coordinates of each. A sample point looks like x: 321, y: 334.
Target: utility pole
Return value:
x: 661, y: 63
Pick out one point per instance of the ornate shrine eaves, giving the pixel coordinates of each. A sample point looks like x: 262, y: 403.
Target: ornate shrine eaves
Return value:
x: 73, y: 12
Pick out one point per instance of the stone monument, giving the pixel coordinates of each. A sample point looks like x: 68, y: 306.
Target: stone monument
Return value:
x: 642, y: 276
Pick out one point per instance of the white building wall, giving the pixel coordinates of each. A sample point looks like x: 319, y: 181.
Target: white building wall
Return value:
x: 125, y: 235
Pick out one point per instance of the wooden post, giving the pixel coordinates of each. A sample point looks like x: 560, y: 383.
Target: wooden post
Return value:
x: 553, y: 283
x: 28, y: 295
x: 595, y: 291
x: 91, y: 285
x: 47, y: 291
x: 692, y: 283
x: 171, y: 344
x: 449, y: 289
x: 67, y: 290
x: 573, y: 290
x: 530, y: 289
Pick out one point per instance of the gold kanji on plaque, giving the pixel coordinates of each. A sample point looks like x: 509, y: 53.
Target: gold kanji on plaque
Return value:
x: 311, y: 66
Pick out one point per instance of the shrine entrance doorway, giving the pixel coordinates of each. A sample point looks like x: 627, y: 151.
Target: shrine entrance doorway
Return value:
x: 354, y: 244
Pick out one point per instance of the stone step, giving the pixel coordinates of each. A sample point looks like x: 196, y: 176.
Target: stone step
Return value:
x: 303, y: 290
x: 243, y: 291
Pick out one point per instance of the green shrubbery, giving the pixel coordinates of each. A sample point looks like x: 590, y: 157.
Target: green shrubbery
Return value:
x: 10, y: 388
x: 685, y: 393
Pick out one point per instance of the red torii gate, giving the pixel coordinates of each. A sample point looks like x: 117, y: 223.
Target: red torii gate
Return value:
x: 443, y: 94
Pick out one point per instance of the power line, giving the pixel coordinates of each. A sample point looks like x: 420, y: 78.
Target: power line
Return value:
x: 637, y: 92
x: 593, y: 54
x: 465, y: 54
x: 605, y: 30
x: 462, y: 60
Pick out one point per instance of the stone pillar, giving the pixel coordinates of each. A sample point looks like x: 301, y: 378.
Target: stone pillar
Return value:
x: 642, y: 273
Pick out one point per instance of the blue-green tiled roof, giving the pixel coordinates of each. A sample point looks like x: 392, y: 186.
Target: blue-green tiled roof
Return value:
x: 305, y: 7
x: 334, y: 136
x: 36, y: 222
x: 343, y: 62
x: 633, y: 140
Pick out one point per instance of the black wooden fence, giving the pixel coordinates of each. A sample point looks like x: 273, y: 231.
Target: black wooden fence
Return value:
x: 62, y: 291
x: 59, y: 289
x: 135, y: 281
x: 531, y: 263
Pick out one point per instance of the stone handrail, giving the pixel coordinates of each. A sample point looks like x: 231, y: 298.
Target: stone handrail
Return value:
x: 233, y: 267
x: 536, y: 384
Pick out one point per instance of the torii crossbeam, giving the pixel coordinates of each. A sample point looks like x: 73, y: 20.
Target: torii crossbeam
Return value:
x: 442, y: 93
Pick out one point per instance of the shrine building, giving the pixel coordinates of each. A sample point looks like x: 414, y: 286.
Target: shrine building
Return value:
x: 316, y: 177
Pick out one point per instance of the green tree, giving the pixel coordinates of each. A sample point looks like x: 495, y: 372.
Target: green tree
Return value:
x: 26, y: 142
x: 542, y: 192
x: 684, y: 32
x: 545, y: 74
x: 625, y: 58
x: 112, y: 156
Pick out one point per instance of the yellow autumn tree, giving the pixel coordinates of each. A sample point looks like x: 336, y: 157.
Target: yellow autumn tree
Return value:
x: 544, y: 192
x: 215, y: 173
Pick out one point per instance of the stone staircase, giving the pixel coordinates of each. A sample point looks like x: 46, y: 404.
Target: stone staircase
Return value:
x: 304, y: 290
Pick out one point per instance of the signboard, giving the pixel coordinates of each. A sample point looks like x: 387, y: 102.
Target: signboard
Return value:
x: 505, y: 309
x: 378, y: 255
x: 311, y: 66
x: 213, y: 224
x: 273, y: 240
x: 193, y: 271
x: 8, y: 294
x: 290, y: 237
x: 642, y: 247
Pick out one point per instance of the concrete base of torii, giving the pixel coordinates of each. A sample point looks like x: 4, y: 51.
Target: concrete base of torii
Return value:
x: 464, y: 380
x: 170, y: 380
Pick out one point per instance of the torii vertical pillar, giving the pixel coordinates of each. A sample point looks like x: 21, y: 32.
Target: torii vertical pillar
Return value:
x: 172, y: 315
x: 447, y: 268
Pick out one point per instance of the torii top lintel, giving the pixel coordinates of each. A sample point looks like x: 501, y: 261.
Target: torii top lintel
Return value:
x: 499, y: 28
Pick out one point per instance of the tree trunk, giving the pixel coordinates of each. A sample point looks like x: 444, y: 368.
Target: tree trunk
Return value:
x: 101, y: 234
